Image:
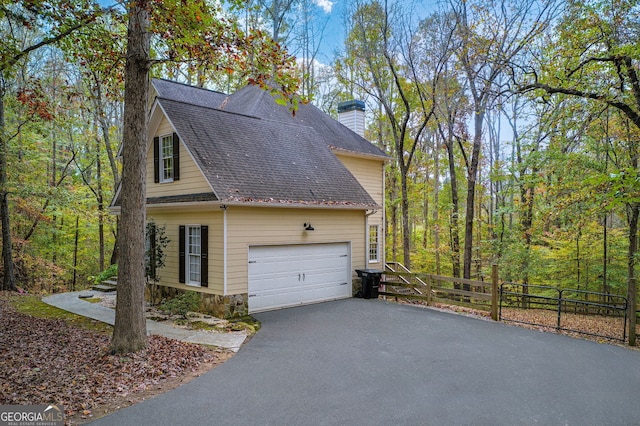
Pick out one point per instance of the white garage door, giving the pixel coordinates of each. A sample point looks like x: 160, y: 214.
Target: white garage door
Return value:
x: 290, y: 275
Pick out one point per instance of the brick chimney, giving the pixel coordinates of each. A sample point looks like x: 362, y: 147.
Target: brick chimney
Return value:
x: 351, y: 114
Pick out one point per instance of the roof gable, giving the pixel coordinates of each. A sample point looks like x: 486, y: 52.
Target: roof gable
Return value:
x: 249, y: 159
x: 251, y: 149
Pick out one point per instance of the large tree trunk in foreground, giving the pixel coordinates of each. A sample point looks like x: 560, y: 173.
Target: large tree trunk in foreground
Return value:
x: 9, y: 277
x: 130, y: 331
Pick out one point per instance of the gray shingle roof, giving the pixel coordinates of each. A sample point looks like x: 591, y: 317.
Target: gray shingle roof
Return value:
x: 249, y: 159
x: 190, y: 94
x: 254, y: 101
x: 251, y: 149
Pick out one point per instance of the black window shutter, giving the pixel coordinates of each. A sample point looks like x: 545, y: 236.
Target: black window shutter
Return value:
x: 156, y: 159
x: 176, y: 157
x: 181, y: 255
x: 204, y: 258
x: 152, y: 252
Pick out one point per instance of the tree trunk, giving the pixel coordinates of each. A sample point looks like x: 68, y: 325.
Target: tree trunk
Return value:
x: 101, y: 211
x: 631, y: 268
x: 436, y: 202
x: 472, y: 176
x: 605, y: 256
x: 455, y: 213
x: 9, y: 276
x: 406, y: 233
x: 115, y: 253
x: 130, y: 333
x: 394, y: 215
x: 75, y: 254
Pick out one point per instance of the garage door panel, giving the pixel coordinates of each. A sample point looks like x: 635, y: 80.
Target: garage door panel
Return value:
x: 291, y: 275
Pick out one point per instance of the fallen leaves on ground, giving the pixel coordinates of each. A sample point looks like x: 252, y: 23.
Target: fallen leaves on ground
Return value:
x: 600, y: 326
x: 48, y: 361
x: 603, y: 329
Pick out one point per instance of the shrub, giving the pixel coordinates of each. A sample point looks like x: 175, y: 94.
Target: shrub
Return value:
x: 111, y: 271
x: 180, y: 305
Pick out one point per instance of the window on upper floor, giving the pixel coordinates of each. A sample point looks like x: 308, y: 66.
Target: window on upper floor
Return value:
x: 166, y: 158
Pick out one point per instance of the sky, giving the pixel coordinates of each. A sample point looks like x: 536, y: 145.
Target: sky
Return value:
x: 334, y: 32
x: 334, y: 12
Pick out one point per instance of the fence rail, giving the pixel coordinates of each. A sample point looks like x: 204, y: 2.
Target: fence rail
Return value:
x: 565, y: 309
x: 580, y: 311
x: 439, y: 288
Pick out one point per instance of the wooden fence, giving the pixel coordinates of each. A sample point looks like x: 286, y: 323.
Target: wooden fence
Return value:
x: 567, y: 309
x: 401, y: 283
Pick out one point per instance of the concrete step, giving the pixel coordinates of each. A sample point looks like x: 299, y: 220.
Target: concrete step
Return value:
x: 104, y: 288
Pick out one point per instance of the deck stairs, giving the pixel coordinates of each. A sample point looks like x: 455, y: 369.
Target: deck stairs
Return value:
x: 399, y: 284
x: 107, y: 286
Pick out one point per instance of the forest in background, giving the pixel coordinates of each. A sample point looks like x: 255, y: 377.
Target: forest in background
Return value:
x: 513, y: 126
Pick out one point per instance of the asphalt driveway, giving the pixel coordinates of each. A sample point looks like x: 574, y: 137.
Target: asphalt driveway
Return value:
x: 365, y: 362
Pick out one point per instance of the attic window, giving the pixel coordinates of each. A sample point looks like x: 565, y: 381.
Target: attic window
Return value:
x: 166, y: 150
x: 166, y: 159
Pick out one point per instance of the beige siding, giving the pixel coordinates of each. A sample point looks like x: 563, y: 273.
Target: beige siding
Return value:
x: 172, y: 220
x: 191, y: 179
x: 370, y: 174
x: 271, y: 226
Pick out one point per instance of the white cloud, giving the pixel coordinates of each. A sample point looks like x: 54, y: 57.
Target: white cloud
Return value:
x: 326, y: 5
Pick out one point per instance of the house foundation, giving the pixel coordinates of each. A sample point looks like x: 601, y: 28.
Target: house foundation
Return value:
x: 231, y: 306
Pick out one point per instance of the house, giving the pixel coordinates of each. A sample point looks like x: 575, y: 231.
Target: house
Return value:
x: 262, y: 209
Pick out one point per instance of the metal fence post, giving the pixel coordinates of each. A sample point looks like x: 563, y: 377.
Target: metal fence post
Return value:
x: 494, y: 292
x: 560, y: 299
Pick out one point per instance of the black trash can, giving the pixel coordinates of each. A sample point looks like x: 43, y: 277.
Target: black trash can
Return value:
x: 370, y: 282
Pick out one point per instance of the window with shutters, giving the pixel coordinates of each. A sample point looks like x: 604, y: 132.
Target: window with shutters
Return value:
x: 193, y: 253
x: 166, y: 159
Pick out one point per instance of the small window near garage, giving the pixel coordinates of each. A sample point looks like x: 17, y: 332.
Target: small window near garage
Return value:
x: 193, y: 240
x: 193, y: 251
x: 374, y: 244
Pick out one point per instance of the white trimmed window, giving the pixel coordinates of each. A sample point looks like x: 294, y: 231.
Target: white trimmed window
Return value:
x: 194, y: 255
x: 374, y: 244
x: 193, y: 252
x: 166, y: 158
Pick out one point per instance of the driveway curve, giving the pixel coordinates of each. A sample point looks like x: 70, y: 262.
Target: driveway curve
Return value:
x: 369, y: 362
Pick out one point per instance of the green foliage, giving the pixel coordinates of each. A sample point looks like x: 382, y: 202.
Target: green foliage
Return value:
x: 182, y: 304
x: 111, y: 271
x: 155, y: 255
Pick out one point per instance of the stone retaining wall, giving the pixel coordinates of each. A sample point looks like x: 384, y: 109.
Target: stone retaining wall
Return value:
x: 233, y: 306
